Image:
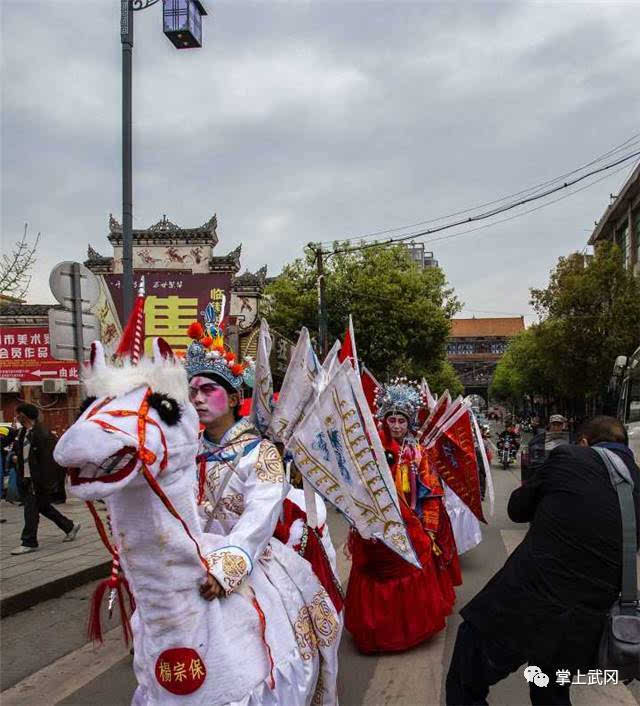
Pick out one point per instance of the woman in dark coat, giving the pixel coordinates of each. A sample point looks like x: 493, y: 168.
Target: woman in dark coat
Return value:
x: 547, y: 605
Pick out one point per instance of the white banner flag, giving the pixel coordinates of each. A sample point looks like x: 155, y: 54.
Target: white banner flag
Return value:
x: 262, y: 398
x: 297, y: 390
x: 337, y: 449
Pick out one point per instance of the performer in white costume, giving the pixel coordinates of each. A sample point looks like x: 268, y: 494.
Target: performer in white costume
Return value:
x: 240, y: 492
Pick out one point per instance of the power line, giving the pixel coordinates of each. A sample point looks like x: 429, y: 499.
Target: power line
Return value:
x: 387, y: 300
x: 488, y: 214
x: 524, y: 213
x: 533, y: 189
x: 529, y: 210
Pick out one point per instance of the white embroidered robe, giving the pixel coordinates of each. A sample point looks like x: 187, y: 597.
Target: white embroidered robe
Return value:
x: 241, y: 500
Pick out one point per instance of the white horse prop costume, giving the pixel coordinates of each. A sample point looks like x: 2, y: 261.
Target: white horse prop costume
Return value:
x: 273, y: 638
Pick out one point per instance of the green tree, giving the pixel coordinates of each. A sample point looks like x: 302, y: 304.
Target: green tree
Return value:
x: 401, y: 312
x: 590, y: 313
x: 445, y: 378
x: 524, y: 368
x: 591, y: 309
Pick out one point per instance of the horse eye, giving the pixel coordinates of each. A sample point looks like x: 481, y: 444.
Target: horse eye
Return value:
x: 167, y: 408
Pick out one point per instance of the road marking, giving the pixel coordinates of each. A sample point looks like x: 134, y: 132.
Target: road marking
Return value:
x: 69, y: 674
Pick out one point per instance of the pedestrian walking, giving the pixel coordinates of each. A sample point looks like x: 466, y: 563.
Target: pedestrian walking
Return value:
x: 38, y: 479
x: 548, y: 604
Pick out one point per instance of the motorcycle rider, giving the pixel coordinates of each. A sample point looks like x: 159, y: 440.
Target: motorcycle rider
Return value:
x: 510, y: 432
x: 511, y: 435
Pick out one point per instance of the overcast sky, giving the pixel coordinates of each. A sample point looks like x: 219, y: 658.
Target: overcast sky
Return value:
x: 301, y: 121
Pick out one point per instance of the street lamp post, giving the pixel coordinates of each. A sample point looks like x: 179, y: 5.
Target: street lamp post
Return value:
x: 182, y: 24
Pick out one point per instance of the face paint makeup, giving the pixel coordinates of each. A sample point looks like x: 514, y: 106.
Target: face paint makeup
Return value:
x: 398, y: 425
x: 209, y: 398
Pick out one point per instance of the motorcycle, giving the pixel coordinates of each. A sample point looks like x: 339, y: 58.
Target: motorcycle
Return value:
x: 505, y: 454
x: 508, y: 451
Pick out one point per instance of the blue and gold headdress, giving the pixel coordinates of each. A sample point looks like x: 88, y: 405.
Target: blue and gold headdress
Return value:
x: 207, y: 355
x: 400, y: 396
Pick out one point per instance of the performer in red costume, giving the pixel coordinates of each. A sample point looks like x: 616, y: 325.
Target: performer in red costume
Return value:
x: 390, y: 605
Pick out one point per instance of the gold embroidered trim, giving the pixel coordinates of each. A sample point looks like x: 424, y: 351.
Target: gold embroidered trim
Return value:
x: 234, y: 567
x: 316, y: 626
x: 269, y: 468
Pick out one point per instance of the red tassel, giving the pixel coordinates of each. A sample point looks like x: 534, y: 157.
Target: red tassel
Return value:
x: 94, y: 628
x: 118, y: 583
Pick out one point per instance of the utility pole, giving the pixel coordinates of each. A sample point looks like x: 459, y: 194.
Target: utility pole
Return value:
x: 323, y: 333
x: 126, y: 37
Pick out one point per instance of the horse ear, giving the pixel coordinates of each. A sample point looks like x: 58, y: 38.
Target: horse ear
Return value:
x: 96, y: 358
x: 161, y: 349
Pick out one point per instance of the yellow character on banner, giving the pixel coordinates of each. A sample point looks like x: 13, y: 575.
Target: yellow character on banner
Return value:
x: 217, y: 299
x: 169, y: 317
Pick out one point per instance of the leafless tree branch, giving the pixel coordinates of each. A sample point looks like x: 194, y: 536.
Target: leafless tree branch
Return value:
x: 16, y: 266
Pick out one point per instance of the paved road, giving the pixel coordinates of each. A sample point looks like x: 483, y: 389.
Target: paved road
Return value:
x: 44, y: 652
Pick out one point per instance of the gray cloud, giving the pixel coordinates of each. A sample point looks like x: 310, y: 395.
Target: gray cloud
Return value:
x: 306, y: 121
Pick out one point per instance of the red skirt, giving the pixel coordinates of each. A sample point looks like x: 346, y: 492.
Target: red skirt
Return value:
x: 391, y: 605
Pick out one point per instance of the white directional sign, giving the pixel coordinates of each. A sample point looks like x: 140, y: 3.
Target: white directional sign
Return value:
x: 61, y: 284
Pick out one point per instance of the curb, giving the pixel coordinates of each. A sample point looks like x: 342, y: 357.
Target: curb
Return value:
x: 10, y: 605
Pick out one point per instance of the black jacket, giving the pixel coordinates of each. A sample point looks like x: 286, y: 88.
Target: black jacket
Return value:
x: 550, y: 599
x: 43, y: 469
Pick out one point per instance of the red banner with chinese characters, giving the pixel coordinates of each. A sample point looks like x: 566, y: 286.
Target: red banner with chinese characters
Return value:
x: 25, y: 354
x: 453, y: 456
x: 174, y: 298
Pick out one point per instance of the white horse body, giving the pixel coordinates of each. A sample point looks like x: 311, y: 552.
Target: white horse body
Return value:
x: 245, y: 648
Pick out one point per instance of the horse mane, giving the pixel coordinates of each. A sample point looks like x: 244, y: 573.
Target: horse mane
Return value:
x: 166, y: 376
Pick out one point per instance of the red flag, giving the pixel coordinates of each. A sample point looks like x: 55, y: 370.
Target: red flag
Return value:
x: 369, y: 386
x: 348, y: 349
x: 453, y: 456
x: 441, y: 407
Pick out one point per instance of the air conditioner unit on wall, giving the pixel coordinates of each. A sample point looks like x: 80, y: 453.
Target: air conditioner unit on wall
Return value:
x: 9, y: 385
x: 54, y: 386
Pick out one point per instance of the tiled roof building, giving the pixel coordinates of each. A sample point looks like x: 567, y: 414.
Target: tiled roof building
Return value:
x: 476, y: 345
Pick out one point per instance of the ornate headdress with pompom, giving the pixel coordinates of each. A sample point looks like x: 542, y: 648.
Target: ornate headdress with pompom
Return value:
x: 400, y: 396
x: 207, y: 355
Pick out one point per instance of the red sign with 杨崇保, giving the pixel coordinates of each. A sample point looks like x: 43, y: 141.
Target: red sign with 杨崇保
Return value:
x: 25, y: 354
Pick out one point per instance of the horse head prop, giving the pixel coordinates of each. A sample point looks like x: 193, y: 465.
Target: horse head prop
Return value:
x: 133, y: 420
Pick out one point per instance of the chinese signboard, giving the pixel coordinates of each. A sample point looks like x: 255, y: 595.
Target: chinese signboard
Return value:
x: 174, y: 299
x: 25, y: 354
